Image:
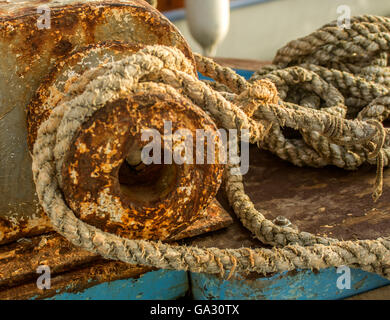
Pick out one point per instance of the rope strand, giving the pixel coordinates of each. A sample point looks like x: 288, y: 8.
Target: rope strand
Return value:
x: 328, y: 137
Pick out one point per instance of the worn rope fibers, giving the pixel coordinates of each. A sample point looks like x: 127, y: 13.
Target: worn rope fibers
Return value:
x: 255, y: 105
x: 344, y: 72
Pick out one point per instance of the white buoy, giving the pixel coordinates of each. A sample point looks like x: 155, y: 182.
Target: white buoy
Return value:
x: 208, y: 21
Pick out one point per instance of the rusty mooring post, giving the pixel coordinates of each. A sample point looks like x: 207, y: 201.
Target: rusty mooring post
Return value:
x: 45, y: 46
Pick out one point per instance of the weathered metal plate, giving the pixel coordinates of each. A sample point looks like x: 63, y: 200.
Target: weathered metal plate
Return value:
x: 19, y: 262
x: 78, y: 274
x: 216, y: 218
x: 28, y: 55
x: 327, y: 201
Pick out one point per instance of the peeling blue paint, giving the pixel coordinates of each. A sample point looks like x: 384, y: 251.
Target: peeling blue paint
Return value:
x: 244, y: 73
x: 303, y: 285
x: 154, y: 285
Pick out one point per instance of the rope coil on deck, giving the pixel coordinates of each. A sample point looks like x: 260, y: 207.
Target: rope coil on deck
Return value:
x: 334, y: 130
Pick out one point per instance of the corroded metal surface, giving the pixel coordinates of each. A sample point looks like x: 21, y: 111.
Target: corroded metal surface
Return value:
x: 149, y: 202
x: 63, y: 74
x: 53, y: 89
x: 75, y: 281
x: 328, y: 201
x: 215, y: 218
x: 302, y: 195
x: 28, y: 56
x: 19, y: 260
x: 72, y: 269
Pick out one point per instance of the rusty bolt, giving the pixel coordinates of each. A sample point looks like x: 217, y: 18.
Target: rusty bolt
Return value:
x: 282, y: 221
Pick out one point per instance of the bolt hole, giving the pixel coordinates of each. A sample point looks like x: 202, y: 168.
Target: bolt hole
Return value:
x: 141, y: 183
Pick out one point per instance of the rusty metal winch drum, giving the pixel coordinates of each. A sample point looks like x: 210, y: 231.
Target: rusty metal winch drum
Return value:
x: 99, y: 182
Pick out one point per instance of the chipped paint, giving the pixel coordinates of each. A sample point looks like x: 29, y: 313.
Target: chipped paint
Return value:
x: 297, y: 285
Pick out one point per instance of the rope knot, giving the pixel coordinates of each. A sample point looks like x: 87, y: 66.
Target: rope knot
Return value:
x: 261, y: 91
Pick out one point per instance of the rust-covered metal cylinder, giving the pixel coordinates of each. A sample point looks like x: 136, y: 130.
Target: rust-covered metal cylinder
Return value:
x: 136, y: 200
x: 103, y: 178
x: 103, y: 188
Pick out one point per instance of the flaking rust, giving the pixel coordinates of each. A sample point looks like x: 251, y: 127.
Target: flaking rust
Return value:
x: 32, y: 63
x: 147, y: 202
x: 72, y: 269
x: 64, y: 73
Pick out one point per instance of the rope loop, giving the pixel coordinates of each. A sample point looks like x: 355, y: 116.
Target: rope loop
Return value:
x: 305, y: 90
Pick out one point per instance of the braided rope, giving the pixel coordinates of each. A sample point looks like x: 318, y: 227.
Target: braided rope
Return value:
x: 164, y: 72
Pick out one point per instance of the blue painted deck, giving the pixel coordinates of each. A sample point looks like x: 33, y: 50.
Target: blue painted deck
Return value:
x: 244, y: 73
x: 300, y: 285
x: 154, y: 285
x: 170, y: 285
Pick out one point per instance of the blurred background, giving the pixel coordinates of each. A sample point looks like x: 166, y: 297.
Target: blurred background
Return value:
x: 258, y: 28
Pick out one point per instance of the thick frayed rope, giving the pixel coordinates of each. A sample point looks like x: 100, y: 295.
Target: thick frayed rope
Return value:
x: 343, y: 72
x: 165, y: 72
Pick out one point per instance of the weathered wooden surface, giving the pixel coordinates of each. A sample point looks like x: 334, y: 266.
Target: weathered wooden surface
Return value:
x: 243, y: 64
x: 382, y: 293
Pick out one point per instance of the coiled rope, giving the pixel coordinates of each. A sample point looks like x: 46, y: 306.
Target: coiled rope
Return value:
x: 329, y: 135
